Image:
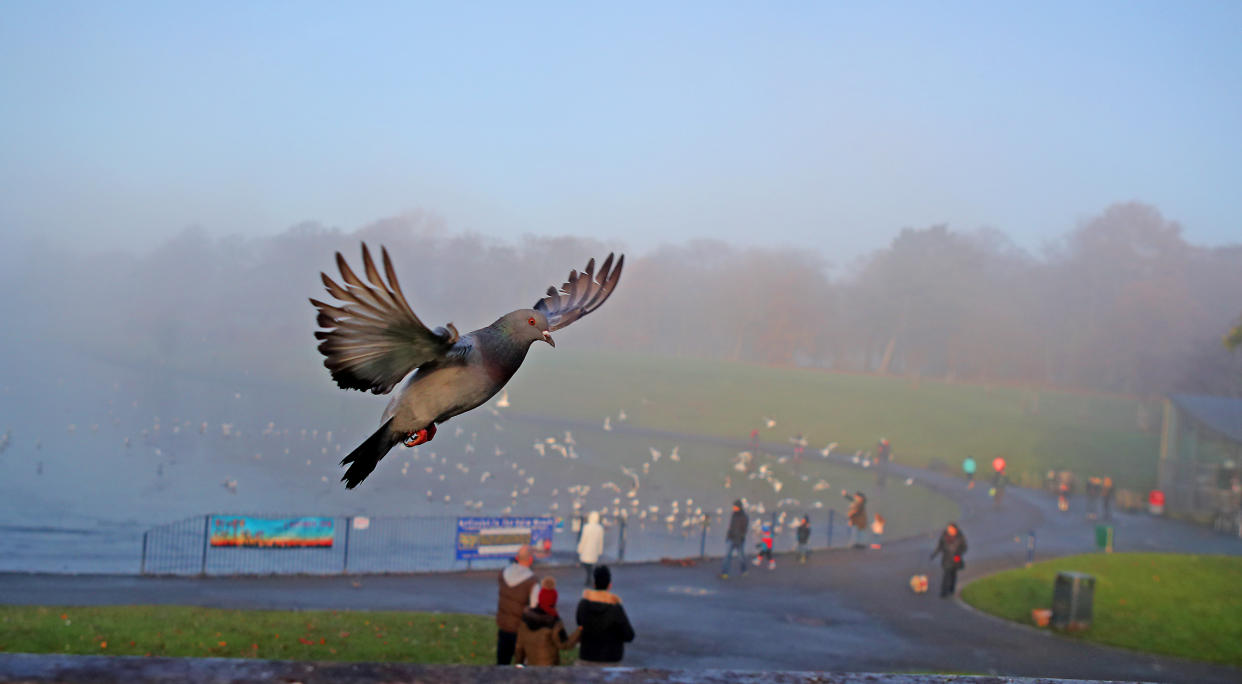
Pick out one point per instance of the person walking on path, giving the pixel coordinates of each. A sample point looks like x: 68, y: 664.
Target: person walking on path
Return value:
x: 605, y: 627
x: 591, y: 545
x: 1093, y: 490
x: 856, y: 516
x: 804, y: 539
x: 735, y: 538
x: 883, y: 454
x: 969, y: 466
x: 519, y: 589
x: 541, y: 635
x: 951, y: 549
x: 1106, y: 495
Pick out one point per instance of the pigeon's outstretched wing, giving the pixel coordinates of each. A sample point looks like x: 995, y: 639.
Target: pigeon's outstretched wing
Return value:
x: 373, y: 339
x: 581, y: 294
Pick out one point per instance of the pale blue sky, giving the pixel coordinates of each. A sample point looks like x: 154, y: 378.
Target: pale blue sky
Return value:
x: 803, y: 124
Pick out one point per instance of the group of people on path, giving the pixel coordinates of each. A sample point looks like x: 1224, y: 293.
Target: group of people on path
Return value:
x: 1000, y: 477
x: 1099, y: 492
x: 739, y: 525
x: 530, y: 630
x: 951, y: 547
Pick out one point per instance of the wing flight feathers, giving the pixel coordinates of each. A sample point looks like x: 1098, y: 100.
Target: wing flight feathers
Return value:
x: 372, y: 338
x: 581, y: 293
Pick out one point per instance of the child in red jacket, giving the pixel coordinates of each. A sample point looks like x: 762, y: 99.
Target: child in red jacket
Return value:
x: 765, y: 548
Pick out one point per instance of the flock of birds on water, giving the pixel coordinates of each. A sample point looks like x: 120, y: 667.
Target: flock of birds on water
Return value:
x: 509, y: 490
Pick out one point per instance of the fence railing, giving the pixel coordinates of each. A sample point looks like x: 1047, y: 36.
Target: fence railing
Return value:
x: 409, y: 544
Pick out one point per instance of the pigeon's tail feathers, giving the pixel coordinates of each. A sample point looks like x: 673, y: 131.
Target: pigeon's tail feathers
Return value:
x: 362, y: 460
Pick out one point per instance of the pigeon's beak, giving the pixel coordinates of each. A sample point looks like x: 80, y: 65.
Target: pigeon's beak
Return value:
x: 547, y: 337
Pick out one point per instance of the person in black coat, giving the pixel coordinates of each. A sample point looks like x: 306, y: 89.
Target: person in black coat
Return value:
x: 804, y: 539
x: 605, y: 627
x: 736, y: 538
x: 952, y: 549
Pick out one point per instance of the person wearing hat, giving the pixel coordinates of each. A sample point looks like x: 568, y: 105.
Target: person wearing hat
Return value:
x: 605, y: 627
x: 591, y: 545
x: 541, y: 635
x: 735, y: 538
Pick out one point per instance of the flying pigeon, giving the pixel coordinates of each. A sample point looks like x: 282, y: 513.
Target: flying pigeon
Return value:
x: 372, y: 340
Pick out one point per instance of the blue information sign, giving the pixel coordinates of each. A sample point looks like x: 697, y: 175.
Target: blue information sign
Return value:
x: 479, y: 538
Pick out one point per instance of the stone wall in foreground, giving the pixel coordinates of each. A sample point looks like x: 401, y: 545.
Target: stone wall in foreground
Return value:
x: 62, y: 669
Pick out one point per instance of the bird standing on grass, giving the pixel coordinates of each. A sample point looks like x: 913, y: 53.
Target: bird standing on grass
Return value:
x: 372, y: 340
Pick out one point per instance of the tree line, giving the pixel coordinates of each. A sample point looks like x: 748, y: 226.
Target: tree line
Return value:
x: 1121, y: 303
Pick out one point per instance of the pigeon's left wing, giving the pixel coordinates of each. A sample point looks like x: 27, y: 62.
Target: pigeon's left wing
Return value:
x: 581, y: 294
x: 373, y: 339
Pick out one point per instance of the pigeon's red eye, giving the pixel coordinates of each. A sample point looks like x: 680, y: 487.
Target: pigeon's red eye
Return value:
x: 531, y: 320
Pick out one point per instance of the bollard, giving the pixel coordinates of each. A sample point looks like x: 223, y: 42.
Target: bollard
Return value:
x: 349, y: 523
x: 621, y: 539
x: 206, y: 541
x: 831, y: 514
x: 1030, y: 547
x: 143, y: 566
x: 703, y: 539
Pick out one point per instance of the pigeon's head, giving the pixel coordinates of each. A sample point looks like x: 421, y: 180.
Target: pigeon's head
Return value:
x: 526, y: 326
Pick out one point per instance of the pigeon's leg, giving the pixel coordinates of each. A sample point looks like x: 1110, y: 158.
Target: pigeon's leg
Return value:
x: 421, y: 437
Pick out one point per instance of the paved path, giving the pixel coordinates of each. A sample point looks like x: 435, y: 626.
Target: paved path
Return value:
x: 844, y: 611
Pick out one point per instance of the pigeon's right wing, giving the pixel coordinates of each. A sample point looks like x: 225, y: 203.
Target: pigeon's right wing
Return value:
x: 581, y: 294
x: 373, y: 339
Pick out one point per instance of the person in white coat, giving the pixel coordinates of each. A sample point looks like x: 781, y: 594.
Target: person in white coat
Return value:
x: 591, y: 545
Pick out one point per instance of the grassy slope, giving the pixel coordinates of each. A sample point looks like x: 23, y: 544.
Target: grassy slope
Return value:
x: 205, y: 632
x: 927, y: 422
x: 1179, y: 605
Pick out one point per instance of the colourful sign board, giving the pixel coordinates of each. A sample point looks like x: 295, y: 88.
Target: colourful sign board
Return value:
x: 277, y: 533
x: 483, y: 537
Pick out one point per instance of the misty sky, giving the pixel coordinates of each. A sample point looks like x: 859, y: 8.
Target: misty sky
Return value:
x: 811, y: 124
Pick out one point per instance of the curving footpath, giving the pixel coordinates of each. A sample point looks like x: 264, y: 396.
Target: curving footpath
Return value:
x: 844, y: 611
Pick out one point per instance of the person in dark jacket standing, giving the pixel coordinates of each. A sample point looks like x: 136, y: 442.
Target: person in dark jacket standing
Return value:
x: 804, y: 539
x: 951, y: 549
x: 736, y: 538
x: 1106, y: 495
x: 883, y: 453
x: 605, y: 627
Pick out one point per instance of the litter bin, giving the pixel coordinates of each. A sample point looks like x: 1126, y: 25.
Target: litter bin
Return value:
x: 1071, y: 601
x: 1104, y: 538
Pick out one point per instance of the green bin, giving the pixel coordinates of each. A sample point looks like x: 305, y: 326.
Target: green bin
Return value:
x: 1104, y: 538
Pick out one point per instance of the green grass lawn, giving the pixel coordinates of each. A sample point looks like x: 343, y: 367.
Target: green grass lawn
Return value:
x: 182, y: 631
x: 1180, y: 605
x: 927, y: 421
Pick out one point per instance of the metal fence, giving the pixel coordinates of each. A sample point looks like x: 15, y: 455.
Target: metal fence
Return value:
x: 408, y: 544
